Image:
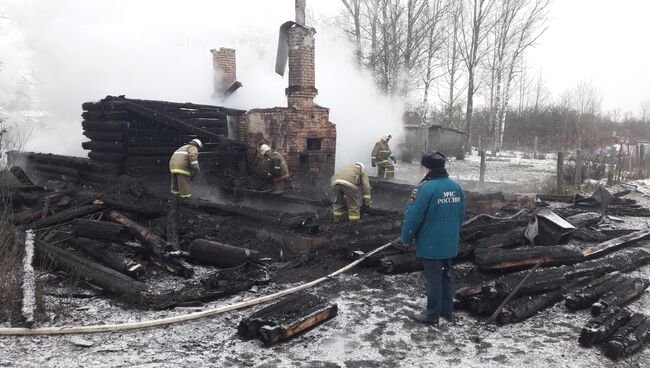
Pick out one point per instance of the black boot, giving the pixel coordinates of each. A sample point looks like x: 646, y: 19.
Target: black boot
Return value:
x: 422, y: 318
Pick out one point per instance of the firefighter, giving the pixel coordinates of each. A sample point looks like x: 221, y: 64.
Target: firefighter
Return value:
x: 278, y: 170
x: 380, y: 156
x: 346, y: 184
x: 183, y: 165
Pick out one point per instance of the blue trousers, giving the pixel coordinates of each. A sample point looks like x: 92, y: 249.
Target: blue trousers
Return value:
x: 440, y: 293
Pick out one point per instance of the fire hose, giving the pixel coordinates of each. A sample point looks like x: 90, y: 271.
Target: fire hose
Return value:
x: 187, y: 317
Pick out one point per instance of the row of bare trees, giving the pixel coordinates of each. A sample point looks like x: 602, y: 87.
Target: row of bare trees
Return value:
x: 441, y: 53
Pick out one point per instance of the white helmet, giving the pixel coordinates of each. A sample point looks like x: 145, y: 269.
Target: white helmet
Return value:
x: 386, y: 137
x: 197, y: 142
x: 264, y: 149
x: 361, y: 165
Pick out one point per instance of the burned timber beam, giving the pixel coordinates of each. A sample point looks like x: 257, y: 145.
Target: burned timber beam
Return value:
x: 99, y: 275
x: 151, y: 240
x: 616, y: 243
x: 629, y: 338
x: 100, y: 230
x: 66, y: 216
x: 586, y: 296
x: 221, y: 255
x: 621, y: 295
x: 525, y: 307
x: 287, y: 318
x: 506, y: 259
x: 600, y: 328
x: 102, y: 252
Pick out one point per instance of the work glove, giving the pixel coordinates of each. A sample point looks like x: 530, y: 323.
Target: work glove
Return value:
x: 394, y: 159
x: 196, y: 168
x: 374, y: 164
x: 401, y: 246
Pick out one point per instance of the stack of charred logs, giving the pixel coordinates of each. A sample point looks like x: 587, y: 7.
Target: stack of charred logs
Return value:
x: 531, y: 261
x: 137, y: 137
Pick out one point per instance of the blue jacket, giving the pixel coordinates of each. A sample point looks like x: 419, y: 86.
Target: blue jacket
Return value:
x: 434, y: 218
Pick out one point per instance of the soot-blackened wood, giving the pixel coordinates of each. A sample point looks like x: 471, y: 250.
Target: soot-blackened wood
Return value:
x: 106, y: 156
x: 155, y: 243
x: 400, y: 263
x: 584, y: 219
x: 621, y: 295
x: 25, y: 217
x: 156, y: 151
x: 616, y: 243
x: 583, y: 298
x: 505, y: 259
x: 67, y: 215
x: 221, y: 255
x: 511, y: 239
x: 57, y: 160
x: 624, y: 261
x: 99, y: 146
x: 105, y: 126
x: 629, y: 338
x: 600, y: 328
x: 20, y: 174
x: 54, y: 169
x: 100, y: 230
x: 527, y: 306
x: 151, y: 210
x: 99, y: 275
x: 632, y: 343
x: 287, y: 318
x: 628, y: 211
x: 108, y: 255
x: 556, y: 198
x: 590, y: 235
x: 105, y: 136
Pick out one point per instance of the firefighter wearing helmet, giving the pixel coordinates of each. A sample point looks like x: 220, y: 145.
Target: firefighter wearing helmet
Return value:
x: 380, y: 156
x: 351, y: 191
x: 278, y: 170
x: 183, y: 165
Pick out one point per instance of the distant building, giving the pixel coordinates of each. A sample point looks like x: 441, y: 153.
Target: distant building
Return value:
x: 422, y: 138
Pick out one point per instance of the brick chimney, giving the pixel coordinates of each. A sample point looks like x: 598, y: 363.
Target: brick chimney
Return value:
x: 224, y: 63
x: 302, y: 81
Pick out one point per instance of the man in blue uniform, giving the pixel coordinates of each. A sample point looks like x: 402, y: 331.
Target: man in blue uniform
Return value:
x: 433, y: 219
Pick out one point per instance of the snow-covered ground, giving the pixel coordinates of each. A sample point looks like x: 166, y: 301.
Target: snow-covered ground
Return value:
x: 371, y: 330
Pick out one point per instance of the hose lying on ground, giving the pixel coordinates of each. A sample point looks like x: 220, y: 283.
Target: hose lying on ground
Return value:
x: 485, y: 215
x: 186, y: 317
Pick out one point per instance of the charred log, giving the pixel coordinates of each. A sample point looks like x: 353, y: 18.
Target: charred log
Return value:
x: 100, y: 230
x: 620, y: 296
x: 629, y: 338
x: 99, y: 146
x: 156, y: 244
x: 20, y: 174
x: 629, y: 341
x: 527, y: 306
x: 106, y: 254
x: 585, y: 219
x: 66, y: 216
x: 600, y: 328
x: 616, y: 243
x: 588, y: 295
x: 99, y: 275
x: 527, y: 257
x: 287, y: 318
x: 221, y: 255
x: 106, y: 156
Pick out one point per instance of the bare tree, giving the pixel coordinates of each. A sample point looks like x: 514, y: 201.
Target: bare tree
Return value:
x: 451, y: 62
x: 354, y: 9
x: 434, y: 41
x: 520, y: 24
x: 474, y: 17
x: 587, y: 100
x: 645, y: 110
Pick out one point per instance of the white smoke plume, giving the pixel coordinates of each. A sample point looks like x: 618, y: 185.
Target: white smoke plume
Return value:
x: 81, y: 51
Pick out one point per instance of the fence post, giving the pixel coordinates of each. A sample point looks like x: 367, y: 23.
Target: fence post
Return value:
x: 560, y: 172
x: 641, y: 161
x: 480, y: 144
x: 578, y: 173
x: 481, y: 176
x: 535, y: 152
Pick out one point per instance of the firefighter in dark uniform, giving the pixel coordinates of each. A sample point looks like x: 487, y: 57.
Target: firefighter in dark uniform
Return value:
x: 379, y: 157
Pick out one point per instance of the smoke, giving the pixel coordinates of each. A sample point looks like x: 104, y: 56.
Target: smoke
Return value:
x: 81, y: 51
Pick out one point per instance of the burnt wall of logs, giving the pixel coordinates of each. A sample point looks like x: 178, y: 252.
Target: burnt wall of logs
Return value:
x: 137, y: 137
